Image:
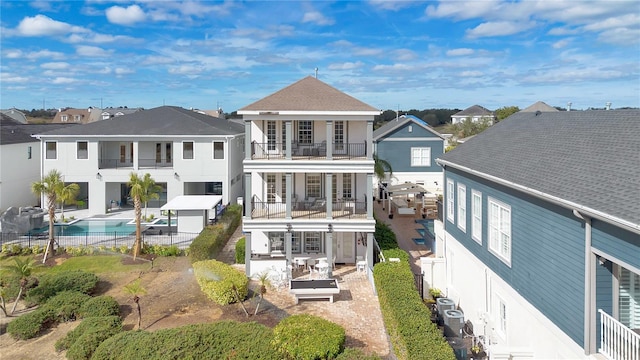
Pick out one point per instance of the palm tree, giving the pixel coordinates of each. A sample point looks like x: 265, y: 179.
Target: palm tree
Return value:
x: 150, y: 190
x: 66, y: 193
x: 381, y: 167
x: 48, y: 187
x: 136, y: 289
x: 137, y: 193
x: 263, y: 280
x: 21, y: 268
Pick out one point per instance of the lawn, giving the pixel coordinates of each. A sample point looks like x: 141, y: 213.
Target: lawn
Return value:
x: 98, y: 264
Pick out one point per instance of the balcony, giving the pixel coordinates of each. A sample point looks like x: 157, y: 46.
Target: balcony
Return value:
x: 617, y: 342
x: 341, y: 209
x: 128, y: 164
x: 299, y: 151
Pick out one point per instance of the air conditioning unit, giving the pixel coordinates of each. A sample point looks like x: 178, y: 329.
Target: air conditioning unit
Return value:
x: 453, y: 323
x: 444, y: 304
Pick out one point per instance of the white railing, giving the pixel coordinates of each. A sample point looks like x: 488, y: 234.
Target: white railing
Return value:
x: 617, y: 342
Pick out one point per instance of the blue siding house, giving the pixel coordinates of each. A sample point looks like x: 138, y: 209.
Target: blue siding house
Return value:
x: 411, y: 147
x: 541, y: 230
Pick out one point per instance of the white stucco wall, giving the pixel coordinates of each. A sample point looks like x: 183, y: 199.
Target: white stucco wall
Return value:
x: 17, y: 173
x: 191, y: 221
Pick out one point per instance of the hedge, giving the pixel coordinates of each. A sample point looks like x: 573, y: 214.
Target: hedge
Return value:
x: 82, y: 341
x: 385, y: 237
x: 406, y: 318
x: 241, y: 250
x: 100, y: 306
x: 212, y: 238
x: 217, y: 280
x: 220, y: 340
x: 52, y: 283
x: 308, y: 337
x: 356, y: 354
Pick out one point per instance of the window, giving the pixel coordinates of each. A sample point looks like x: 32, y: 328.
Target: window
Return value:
x: 276, y: 242
x: 420, y: 156
x: 82, y: 150
x: 187, y: 150
x: 271, y: 188
x: 312, y: 243
x: 52, y: 150
x: 64, y: 118
x: 77, y: 118
x: 314, y: 189
x: 218, y: 150
x: 305, y: 132
x: 450, y: 198
x: 500, y: 230
x: 338, y: 136
x: 158, y: 153
x: 168, y: 153
x: 213, y: 188
x: 283, y: 187
x: 629, y: 298
x: 462, y: 207
x: 271, y: 135
x: 501, y: 314
x: 29, y: 152
x: 476, y: 216
x: 296, y: 239
x: 346, y: 186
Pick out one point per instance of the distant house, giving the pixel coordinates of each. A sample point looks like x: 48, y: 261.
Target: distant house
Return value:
x: 541, y: 234
x: 186, y: 153
x: 76, y: 116
x: 411, y: 147
x: 20, y: 159
x: 539, y: 106
x: 15, y: 114
x: 110, y: 112
x: 476, y: 113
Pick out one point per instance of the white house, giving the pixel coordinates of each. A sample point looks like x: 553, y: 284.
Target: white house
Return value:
x: 476, y: 113
x: 186, y: 153
x: 308, y: 177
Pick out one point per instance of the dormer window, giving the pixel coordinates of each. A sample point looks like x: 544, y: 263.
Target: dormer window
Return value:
x: 77, y: 118
x: 64, y: 118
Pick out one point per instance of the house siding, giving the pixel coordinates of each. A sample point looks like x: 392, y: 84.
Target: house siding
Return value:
x: 620, y: 244
x: 604, y: 289
x: 398, y: 152
x: 547, y: 247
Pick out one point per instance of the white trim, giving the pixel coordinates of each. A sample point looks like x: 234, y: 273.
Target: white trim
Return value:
x: 505, y: 258
x: 409, y: 139
x: 427, y: 158
x: 476, y: 229
x: 306, y: 112
x: 46, y: 151
x: 500, y: 322
x: 450, y: 203
x: 84, y: 141
x: 462, y: 207
x: 193, y: 149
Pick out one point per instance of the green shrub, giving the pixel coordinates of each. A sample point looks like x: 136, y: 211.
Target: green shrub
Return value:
x: 212, y: 239
x: 66, y: 304
x: 396, y: 253
x: 217, y: 280
x: 385, y: 237
x: 100, y: 306
x: 240, y: 250
x: 356, y: 354
x: 406, y: 318
x: 29, y: 325
x: 219, y: 340
x: 52, y: 283
x: 308, y: 337
x: 161, y: 250
x: 82, y: 341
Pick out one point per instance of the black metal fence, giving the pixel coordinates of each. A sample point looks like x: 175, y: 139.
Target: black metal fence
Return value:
x: 99, y: 239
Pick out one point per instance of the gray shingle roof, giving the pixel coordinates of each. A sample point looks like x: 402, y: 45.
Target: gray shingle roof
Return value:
x: 161, y: 121
x: 15, y: 132
x: 589, y: 158
x: 539, y: 106
x: 476, y: 110
x: 308, y: 94
x: 393, y: 124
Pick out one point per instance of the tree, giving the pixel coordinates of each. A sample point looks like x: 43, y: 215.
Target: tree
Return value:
x: 381, y: 167
x: 3, y: 293
x: 21, y: 268
x: 505, y: 111
x: 263, y: 281
x: 66, y: 193
x: 150, y: 191
x: 48, y: 187
x: 135, y: 289
x: 136, y: 192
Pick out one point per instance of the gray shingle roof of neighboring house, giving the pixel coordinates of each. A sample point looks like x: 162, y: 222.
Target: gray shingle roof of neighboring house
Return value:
x: 587, y: 158
x: 160, y: 121
x: 475, y: 110
x: 539, y: 106
x: 112, y: 112
x: 15, y: 114
x: 14, y: 132
x: 308, y: 94
x: 393, y: 124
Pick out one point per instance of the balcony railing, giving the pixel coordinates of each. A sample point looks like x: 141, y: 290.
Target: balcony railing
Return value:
x: 617, y: 342
x: 301, y: 209
x: 299, y: 151
x: 128, y: 164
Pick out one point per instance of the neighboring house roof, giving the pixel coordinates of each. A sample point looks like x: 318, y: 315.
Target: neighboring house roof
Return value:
x: 15, y: 114
x: 396, y: 124
x: 160, y: 121
x: 14, y: 132
x: 308, y: 94
x: 85, y: 115
x: 113, y: 112
x: 475, y: 110
x: 539, y: 106
x: 587, y: 159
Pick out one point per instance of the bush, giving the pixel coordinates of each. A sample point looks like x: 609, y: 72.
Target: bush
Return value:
x: 29, y: 325
x: 100, y: 306
x: 308, y: 337
x: 66, y: 305
x: 53, y: 283
x: 82, y: 341
x: 240, y: 250
x: 406, y: 318
x: 219, y: 340
x: 161, y: 250
x: 356, y: 354
x: 385, y: 237
x: 217, y: 280
x: 213, y: 238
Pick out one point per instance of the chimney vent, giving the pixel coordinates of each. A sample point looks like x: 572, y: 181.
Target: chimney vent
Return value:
x: 608, y: 106
x: 569, y: 106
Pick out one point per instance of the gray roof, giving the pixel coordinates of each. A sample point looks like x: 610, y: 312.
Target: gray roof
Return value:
x: 475, y: 110
x: 402, y: 120
x: 160, y: 121
x: 15, y: 132
x: 308, y: 94
x: 539, y: 106
x: 588, y: 158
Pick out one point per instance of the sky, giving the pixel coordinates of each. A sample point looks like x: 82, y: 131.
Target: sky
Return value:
x: 390, y: 54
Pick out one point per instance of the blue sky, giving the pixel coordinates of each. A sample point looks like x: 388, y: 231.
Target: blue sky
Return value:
x: 402, y: 54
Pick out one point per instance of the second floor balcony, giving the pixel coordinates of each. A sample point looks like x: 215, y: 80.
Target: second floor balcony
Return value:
x: 309, y: 151
x: 310, y: 209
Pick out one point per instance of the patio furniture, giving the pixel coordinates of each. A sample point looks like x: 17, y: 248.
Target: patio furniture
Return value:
x: 301, y: 261
x: 361, y: 265
x: 319, y: 204
x: 314, y: 289
x: 323, y: 269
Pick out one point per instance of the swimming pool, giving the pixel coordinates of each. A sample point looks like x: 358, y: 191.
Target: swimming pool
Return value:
x: 94, y: 226
x: 427, y: 224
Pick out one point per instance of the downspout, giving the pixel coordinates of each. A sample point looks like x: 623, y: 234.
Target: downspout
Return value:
x: 589, y: 288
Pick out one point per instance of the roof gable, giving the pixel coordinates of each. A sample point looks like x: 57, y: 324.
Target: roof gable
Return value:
x: 392, y: 126
x: 539, y: 106
x: 308, y: 94
x: 15, y: 132
x: 475, y: 110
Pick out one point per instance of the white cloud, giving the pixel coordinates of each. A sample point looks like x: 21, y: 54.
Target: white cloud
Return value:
x: 460, y: 52
x: 498, y: 28
x: 123, y: 71
x: 404, y: 55
x: 8, y: 77
x: 390, y: 5
x: 63, y: 80
x: 92, y: 51
x: 621, y: 36
x: 561, y: 43
x: 614, y: 22
x: 41, y: 25
x: 471, y: 73
x: 125, y: 16
x: 462, y: 10
x: 41, y: 5
x: 96, y: 38
x: 55, y: 65
x: 346, y: 65
x: 33, y: 55
x: 317, y: 18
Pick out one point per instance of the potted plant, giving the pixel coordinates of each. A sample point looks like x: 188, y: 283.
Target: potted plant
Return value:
x: 477, y: 352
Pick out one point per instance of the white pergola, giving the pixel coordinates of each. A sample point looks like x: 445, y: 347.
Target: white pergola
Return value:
x: 405, y: 189
x: 194, y: 211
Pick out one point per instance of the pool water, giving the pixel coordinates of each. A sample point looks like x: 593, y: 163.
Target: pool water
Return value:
x: 427, y: 229
x: 87, y: 226
x: 419, y: 241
